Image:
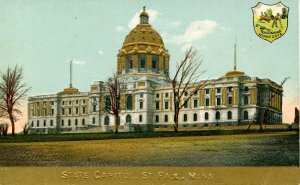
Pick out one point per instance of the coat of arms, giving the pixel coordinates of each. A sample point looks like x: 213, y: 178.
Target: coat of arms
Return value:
x: 270, y: 21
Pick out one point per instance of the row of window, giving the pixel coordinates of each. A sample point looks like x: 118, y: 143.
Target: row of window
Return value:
x: 44, y: 103
x: 44, y: 123
x: 63, y: 122
x: 128, y: 119
x: 186, y: 93
x: 142, y: 62
x: 157, y: 103
x: 76, y: 102
x: 206, y: 116
x: 63, y: 112
x: 44, y: 112
x: 185, y: 117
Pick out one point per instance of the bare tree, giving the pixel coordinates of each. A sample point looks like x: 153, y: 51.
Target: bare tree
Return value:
x: 112, y: 104
x: 26, y: 128
x: 12, y: 90
x: 185, y: 82
x: 4, y: 129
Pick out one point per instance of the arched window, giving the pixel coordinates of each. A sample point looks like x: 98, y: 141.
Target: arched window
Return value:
x: 185, y: 117
x: 51, y: 122
x: 107, y: 103
x: 128, y: 118
x: 62, y: 123
x: 140, y: 118
x: 129, y: 102
x: 229, y: 115
x: 44, y: 123
x: 94, y: 120
x: 76, y: 122
x: 156, y: 118
x: 246, y: 115
x: 69, y: 122
x: 195, y: 117
x: 38, y: 123
x: 106, y: 120
x: 166, y: 118
x: 32, y: 124
x: 83, y: 122
x: 217, y: 115
x: 206, y: 116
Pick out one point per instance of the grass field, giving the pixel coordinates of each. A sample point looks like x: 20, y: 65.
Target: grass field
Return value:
x: 251, y: 149
x: 160, y: 132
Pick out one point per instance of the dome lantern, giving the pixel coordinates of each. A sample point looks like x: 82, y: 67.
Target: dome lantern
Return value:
x: 144, y: 17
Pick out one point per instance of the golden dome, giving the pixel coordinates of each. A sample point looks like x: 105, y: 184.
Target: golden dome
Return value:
x: 143, y: 51
x: 143, y: 33
x: 143, y: 39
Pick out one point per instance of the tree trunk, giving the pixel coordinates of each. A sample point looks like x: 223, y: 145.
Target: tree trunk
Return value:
x: 176, y: 121
x: 116, y: 124
x: 12, y: 125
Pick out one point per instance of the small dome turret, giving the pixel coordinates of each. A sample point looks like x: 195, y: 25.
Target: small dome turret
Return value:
x: 144, y: 17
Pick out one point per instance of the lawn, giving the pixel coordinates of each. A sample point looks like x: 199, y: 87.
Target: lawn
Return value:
x: 159, y: 132
x: 248, y: 149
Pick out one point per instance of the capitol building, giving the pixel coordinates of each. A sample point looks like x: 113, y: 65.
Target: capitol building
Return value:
x: 143, y: 65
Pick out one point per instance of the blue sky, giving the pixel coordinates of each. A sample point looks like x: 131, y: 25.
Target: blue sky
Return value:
x: 43, y: 36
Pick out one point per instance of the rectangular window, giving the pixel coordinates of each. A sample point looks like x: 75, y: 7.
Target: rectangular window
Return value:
x: 83, y: 101
x: 229, y: 100
x: 157, y: 105
x: 246, y: 88
x: 141, y: 105
x: 140, y: 118
x: 52, y: 112
x: 62, y: 111
x: 167, y: 95
x: 229, y: 89
x: 195, y: 103
x: 154, y: 64
x: 70, y: 111
x: 76, y: 101
x: 83, y: 110
x: 166, y: 105
x: 52, y: 103
x: 131, y: 64
x: 76, y: 110
x: 70, y: 102
x: 206, y: 91
x: 246, y: 100
x: 94, y: 108
x: 206, y: 101
x: 157, y: 95
x: 218, y: 90
x: 143, y: 63
x: 218, y: 101
x: 63, y: 102
x: 186, y: 93
x: 196, y: 93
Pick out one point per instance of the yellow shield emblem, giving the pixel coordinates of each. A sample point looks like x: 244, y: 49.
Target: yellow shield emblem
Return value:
x: 270, y: 21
